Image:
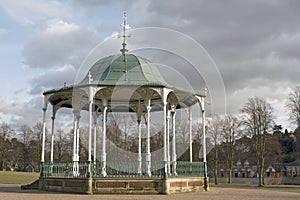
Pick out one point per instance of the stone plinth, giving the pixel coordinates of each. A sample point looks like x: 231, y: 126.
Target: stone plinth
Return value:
x: 122, y: 185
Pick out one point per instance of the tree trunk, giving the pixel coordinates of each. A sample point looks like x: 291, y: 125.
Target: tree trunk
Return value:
x: 261, y: 172
x: 260, y: 179
x: 229, y: 176
x: 216, y: 166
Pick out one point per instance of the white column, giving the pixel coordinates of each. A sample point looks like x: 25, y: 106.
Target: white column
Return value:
x: 90, y: 131
x: 95, y: 139
x: 174, y: 156
x: 75, y: 143
x: 52, y: 138
x: 140, y: 147
x: 77, y: 138
x: 103, y: 156
x: 165, y: 139
x: 75, y: 135
x: 148, y: 153
x: 90, y: 127
x: 43, y: 136
x: 43, y: 141
x: 190, y: 133
x: 204, y: 138
x: 91, y: 97
x: 168, y: 142
x: 206, y: 184
x: 139, y: 120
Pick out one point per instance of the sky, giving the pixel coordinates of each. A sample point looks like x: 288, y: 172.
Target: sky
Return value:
x: 254, y: 45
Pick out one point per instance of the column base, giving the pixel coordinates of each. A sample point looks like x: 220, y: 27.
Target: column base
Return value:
x: 103, y: 172
x: 174, y: 174
x: 206, y: 184
x: 75, y: 170
x: 75, y: 174
x: 42, y: 169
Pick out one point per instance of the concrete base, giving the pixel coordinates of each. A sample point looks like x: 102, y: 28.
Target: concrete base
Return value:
x: 68, y: 185
x: 123, y: 185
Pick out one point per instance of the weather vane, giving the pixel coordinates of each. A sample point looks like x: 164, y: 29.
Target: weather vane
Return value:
x: 125, y: 26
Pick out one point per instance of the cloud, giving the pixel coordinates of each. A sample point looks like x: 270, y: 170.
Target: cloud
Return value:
x: 19, y: 112
x: 3, y: 32
x: 30, y: 12
x: 224, y: 26
x: 53, y: 79
x: 255, y: 44
x: 61, y: 43
x: 274, y: 93
x: 95, y: 3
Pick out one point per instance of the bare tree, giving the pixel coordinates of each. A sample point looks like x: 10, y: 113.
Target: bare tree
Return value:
x: 231, y: 132
x: 215, y: 133
x: 37, y: 131
x: 60, y: 143
x: 123, y: 127
x: 26, y: 134
x: 294, y: 105
x: 6, y: 131
x: 258, y: 121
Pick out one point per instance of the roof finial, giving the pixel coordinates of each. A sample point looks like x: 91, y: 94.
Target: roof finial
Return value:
x: 125, y: 26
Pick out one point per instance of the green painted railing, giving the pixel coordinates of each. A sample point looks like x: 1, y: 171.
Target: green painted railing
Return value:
x: 66, y: 169
x: 119, y: 169
x: 190, y: 169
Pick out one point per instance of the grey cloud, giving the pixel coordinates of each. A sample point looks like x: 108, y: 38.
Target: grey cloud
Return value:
x: 3, y: 32
x: 254, y: 43
x: 53, y: 79
x: 31, y: 12
x: 61, y: 43
x: 232, y: 29
x: 28, y: 112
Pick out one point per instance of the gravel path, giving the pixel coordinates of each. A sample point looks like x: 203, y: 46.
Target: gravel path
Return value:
x: 13, y: 192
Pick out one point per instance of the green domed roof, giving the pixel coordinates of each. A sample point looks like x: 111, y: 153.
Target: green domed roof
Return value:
x: 111, y: 70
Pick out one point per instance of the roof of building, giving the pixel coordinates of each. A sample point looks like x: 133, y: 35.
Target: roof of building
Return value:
x: 294, y: 163
x: 127, y: 69
x: 123, y: 82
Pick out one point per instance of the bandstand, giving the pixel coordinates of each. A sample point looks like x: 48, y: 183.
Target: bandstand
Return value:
x: 123, y: 83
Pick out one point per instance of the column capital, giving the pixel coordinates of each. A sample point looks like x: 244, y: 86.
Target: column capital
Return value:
x: 148, y: 108
x: 53, y: 118
x: 44, y: 109
x: 139, y: 121
x: 104, y: 107
x: 173, y: 107
x: 164, y: 103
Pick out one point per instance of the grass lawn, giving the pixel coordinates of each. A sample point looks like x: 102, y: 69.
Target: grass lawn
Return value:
x: 281, y: 188
x: 17, y: 177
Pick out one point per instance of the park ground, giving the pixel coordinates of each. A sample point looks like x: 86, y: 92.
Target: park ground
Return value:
x: 13, y: 192
x: 10, y: 190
